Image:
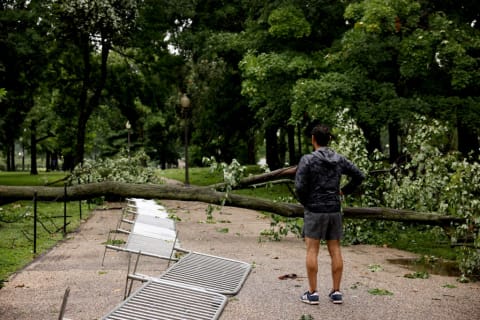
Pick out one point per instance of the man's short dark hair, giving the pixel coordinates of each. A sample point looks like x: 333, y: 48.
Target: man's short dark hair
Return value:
x: 322, y: 134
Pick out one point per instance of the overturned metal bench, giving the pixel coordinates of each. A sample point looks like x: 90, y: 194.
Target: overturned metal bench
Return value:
x: 149, y: 232
x: 212, y: 273
x: 161, y: 299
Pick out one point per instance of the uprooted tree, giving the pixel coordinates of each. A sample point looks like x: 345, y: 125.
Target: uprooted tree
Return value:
x: 210, y: 194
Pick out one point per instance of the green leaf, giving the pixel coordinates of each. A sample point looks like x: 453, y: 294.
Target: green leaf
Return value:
x: 417, y: 275
x: 287, y: 22
x: 375, y: 267
x: 380, y: 292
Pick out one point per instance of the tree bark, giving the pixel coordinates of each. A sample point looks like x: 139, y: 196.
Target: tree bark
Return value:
x: 467, y: 139
x: 393, y: 142
x: 33, y: 148
x: 88, y: 105
x: 292, y: 157
x: 208, y: 195
x: 83, y: 105
x: 283, y: 173
x: 271, y: 144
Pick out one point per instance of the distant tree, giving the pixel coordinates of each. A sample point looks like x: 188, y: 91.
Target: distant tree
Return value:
x: 283, y: 40
x: 23, y: 63
x: 440, y: 65
x: 222, y: 124
x: 39, y: 125
x: 85, y: 32
x: 397, y: 58
x: 144, y: 76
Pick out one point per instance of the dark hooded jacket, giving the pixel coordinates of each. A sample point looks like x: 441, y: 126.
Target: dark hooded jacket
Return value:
x: 317, y: 180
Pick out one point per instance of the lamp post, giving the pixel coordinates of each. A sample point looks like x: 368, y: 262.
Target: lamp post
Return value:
x: 128, y: 126
x: 23, y: 154
x: 185, y: 104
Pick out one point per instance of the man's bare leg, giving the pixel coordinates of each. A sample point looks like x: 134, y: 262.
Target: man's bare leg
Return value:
x: 313, y: 246
x: 337, y: 262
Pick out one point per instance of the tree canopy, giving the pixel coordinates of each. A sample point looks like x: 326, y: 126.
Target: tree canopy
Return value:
x: 259, y: 74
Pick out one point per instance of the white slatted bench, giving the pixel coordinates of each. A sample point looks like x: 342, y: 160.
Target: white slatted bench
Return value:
x: 168, y: 300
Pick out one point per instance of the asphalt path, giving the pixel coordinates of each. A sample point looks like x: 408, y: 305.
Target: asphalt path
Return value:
x: 36, y: 292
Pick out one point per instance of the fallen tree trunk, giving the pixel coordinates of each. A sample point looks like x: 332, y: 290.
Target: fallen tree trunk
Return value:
x: 207, y: 194
x: 282, y: 173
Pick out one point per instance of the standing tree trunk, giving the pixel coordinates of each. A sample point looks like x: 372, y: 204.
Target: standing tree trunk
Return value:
x: 68, y: 163
x: 372, y: 136
x: 393, y: 142
x: 299, y: 141
x: 282, y: 147
x: 55, y: 165
x: 272, y: 148
x: 83, y: 101
x: 48, y: 161
x: 12, y: 156
x: 80, y: 143
x: 10, y: 163
x: 292, y: 158
x: 251, y: 148
x: 88, y: 105
x: 33, y: 148
x: 467, y: 139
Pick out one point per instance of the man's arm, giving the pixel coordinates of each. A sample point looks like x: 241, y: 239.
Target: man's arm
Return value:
x: 301, y: 181
x: 356, y: 177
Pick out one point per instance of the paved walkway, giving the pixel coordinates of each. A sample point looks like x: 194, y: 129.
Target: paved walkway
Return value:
x: 37, y: 291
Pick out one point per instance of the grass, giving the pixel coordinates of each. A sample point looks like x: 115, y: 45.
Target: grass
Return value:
x: 17, y: 222
x: 17, y: 231
x: 197, y: 176
x: 425, y: 240
x: 201, y: 176
x: 277, y: 192
x: 420, y: 239
x: 26, y: 179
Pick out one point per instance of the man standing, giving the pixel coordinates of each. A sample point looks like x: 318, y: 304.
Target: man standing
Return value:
x: 317, y: 184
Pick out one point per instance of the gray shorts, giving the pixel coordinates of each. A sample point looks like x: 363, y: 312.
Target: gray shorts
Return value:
x: 323, y: 226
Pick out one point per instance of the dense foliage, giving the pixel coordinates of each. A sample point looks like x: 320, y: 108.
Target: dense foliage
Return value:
x: 427, y: 180
x: 434, y: 181
x: 130, y: 168
x: 257, y: 73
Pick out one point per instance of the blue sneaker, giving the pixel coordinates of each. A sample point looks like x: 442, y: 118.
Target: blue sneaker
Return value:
x: 310, y: 298
x: 336, y: 297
